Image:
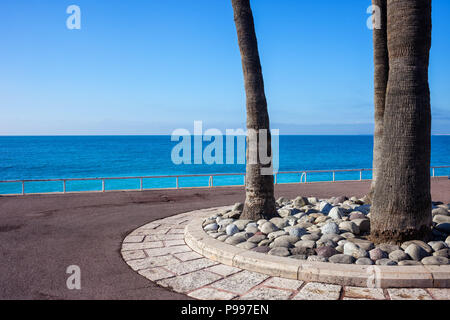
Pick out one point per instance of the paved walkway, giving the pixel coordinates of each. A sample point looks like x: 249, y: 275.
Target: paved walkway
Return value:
x: 158, y: 252
x: 41, y: 235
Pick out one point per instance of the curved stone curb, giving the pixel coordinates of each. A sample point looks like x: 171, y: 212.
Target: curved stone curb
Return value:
x: 345, y: 275
x: 158, y: 252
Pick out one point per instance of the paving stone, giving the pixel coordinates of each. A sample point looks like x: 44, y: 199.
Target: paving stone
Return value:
x: 408, y: 294
x: 186, y: 256
x: 142, y: 245
x: 319, y: 291
x: 211, y: 294
x: 440, y: 294
x: 167, y: 250
x: 133, y: 254
x: 364, y: 293
x: 241, y: 282
x: 150, y: 262
x: 155, y: 274
x: 190, y: 266
x: 263, y: 293
x: 131, y: 238
x: 224, y: 270
x: 190, y: 281
x: 174, y: 230
x: 283, y: 283
x: 171, y: 243
x: 158, y: 237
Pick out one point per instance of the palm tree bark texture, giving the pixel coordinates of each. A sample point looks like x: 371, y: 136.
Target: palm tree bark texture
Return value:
x: 401, y: 208
x: 259, y: 188
x: 381, y: 64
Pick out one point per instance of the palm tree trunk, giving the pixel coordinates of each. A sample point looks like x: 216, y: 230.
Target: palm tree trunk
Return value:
x: 260, y: 201
x: 401, y: 207
x: 381, y: 63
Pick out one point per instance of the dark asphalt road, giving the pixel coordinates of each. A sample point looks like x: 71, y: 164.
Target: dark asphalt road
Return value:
x: 41, y: 235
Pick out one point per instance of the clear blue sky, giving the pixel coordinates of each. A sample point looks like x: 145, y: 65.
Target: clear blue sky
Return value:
x: 150, y: 66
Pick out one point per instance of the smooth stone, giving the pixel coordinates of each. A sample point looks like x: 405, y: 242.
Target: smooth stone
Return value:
x: 313, y: 200
x: 231, y: 229
x: 303, y: 251
x: 442, y: 253
x: 331, y: 236
x: 440, y: 212
x: 362, y: 224
x: 409, y: 263
x: 264, y: 243
x: 441, y: 219
x: 321, y: 219
x: 388, y: 247
x: 246, y: 245
x: 443, y: 227
x: 223, y: 237
x: 260, y: 222
x: 349, y: 247
x: 280, y: 252
x: 363, y: 244
x: 447, y: 241
x: 297, y: 232
x: 261, y: 249
x: 300, y: 202
x: 312, y: 237
x: 286, y: 212
x: 241, y: 224
x: 336, y: 213
x: 377, y: 254
x: 285, y: 241
x: 434, y: 260
x: 276, y: 234
x: 398, y: 255
x: 299, y: 257
x: 251, y: 229
x: 326, y: 251
x: 340, y: 199
x: 363, y: 208
x: 364, y: 262
x: 419, y: 243
x: 317, y: 259
x: 257, y: 238
x: 385, y: 262
x: 349, y: 226
x: 437, y: 245
x: 354, y: 215
x: 360, y: 253
x: 232, y: 215
x: 234, y: 240
x: 268, y: 227
x: 282, y: 201
x: 330, y: 227
x: 322, y: 243
x: 225, y: 222
x: 340, y: 248
x: 280, y: 223
x: 416, y: 252
x: 306, y: 244
x: 342, y: 259
x: 325, y: 207
x: 211, y: 227
x: 348, y: 235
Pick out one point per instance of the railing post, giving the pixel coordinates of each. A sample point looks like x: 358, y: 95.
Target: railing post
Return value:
x: 276, y: 178
x: 23, y: 187
x: 306, y: 177
x: 178, y: 185
x: 334, y: 176
x: 433, y: 172
x: 211, y: 182
x: 64, y: 186
x: 103, y: 185
x: 142, y: 184
x: 360, y: 175
x: 245, y: 182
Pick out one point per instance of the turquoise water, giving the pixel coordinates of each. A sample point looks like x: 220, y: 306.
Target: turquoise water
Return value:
x: 124, y: 156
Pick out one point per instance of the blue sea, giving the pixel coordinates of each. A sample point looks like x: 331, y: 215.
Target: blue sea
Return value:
x: 54, y: 157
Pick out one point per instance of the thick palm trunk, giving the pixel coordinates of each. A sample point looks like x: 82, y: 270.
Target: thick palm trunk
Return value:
x: 260, y: 201
x: 401, y: 207
x: 381, y: 72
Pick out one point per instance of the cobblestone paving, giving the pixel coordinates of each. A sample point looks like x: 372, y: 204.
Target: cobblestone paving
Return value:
x: 157, y: 251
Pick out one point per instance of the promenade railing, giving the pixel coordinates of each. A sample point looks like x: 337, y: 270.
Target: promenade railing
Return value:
x: 302, y: 178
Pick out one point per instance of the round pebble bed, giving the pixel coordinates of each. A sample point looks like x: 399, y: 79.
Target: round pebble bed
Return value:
x: 328, y: 230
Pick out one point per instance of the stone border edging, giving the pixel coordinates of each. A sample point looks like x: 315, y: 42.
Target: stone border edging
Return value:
x: 345, y: 275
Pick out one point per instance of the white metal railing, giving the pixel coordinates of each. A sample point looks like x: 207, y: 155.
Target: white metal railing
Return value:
x: 302, y: 174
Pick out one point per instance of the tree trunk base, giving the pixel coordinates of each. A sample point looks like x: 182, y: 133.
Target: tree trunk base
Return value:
x: 400, y: 236
x: 259, y: 209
